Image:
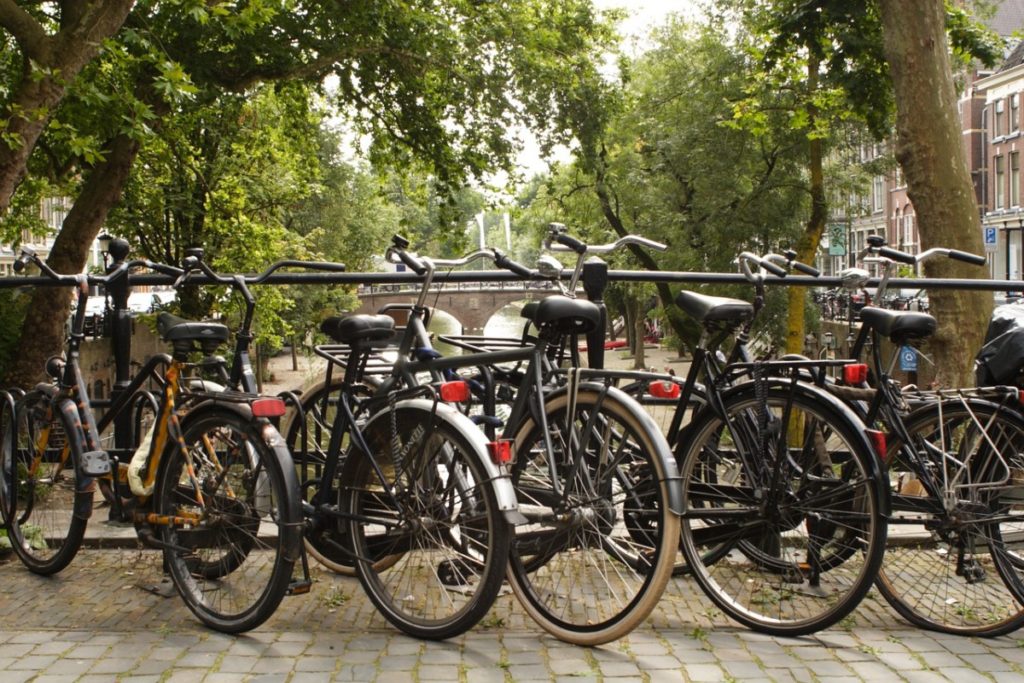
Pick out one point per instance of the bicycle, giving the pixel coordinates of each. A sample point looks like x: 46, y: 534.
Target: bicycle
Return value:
x: 784, y: 519
x: 577, y: 462
x: 213, y: 488
x: 954, y: 565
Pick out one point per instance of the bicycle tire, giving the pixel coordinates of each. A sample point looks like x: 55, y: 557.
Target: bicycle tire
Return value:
x: 612, y: 542
x: 928, y: 574
x: 232, y: 550
x: 443, y: 527
x: 787, y: 592
x: 45, y: 503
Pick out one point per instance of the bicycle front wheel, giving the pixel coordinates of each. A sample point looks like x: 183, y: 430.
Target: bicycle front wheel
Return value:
x: 45, y: 504
x: 602, y: 539
x: 227, y: 505
x: 950, y: 562
x: 430, y: 540
x: 788, y: 489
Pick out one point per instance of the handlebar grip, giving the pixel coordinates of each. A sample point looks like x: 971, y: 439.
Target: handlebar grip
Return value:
x: 503, y: 261
x: 806, y: 269
x: 773, y: 268
x: 572, y: 243
x: 895, y: 255
x: 967, y: 257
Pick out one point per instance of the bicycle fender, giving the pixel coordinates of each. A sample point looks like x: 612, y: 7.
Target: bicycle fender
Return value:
x: 669, y: 470
x: 498, y: 476
x: 860, y: 429
x: 76, y: 439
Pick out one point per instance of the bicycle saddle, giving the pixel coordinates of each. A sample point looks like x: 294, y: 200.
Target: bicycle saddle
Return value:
x: 362, y: 327
x: 898, y: 326
x: 705, y: 308
x: 172, y: 329
x: 565, y: 315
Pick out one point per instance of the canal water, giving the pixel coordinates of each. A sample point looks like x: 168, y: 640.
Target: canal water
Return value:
x: 505, y: 323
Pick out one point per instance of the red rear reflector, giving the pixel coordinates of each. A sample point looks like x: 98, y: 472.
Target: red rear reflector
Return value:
x: 663, y: 389
x: 454, y: 392
x: 501, y: 451
x: 267, y: 407
x: 877, y: 440
x: 855, y: 373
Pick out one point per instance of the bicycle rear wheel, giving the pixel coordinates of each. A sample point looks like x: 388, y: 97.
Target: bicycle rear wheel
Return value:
x: 602, y: 539
x: 45, y: 504
x: 792, y: 493
x: 949, y: 564
x: 229, y: 515
x: 424, y: 501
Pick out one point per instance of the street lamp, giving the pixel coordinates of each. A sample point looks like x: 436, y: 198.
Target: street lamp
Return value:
x: 104, y: 241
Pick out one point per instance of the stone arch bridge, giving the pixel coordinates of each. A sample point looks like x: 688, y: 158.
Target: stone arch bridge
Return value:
x: 471, y: 303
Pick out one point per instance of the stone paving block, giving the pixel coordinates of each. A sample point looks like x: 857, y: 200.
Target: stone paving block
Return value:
x: 479, y: 674
x: 33, y: 662
x: 114, y: 665
x: 925, y: 677
x: 564, y: 666
x: 965, y: 675
x: 528, y: 672
x: 742, y: 670
x: 151, y: 667
x: 355, y: 672
x: 826, y: 669
x: 987, y: 663
x: 438, y: 672
x: 403, y: 663
x: 582, y: 679
x: 274, y: 665
x: 658, y: 662
x: 396, y: 677
x: 15, y: 650
x: 704, y: 672
x: 309, y: 663
x: 237, y: 664
x: 288, y: 648
x: 310, y: 677
x: 1007, y: 676
x: 405, y: 647
x: 198, y: 660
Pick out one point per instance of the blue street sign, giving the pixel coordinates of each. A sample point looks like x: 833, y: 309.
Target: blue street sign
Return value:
x: 990, y: 237
x: 908, y: 359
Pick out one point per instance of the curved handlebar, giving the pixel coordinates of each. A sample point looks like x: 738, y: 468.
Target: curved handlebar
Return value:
x: 566, y: 243
x: 746, y: 258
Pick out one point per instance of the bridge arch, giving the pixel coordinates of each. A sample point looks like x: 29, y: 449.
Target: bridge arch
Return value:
x: 472, y: 304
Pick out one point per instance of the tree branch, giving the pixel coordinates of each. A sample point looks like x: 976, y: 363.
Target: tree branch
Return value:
x: 30, y: 36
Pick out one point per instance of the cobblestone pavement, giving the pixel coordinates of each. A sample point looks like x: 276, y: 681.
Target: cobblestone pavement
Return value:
x: 99, y: 620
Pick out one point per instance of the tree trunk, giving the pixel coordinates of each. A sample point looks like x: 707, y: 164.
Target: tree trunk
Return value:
x: 51, y: 63
x: 930, y: 151
x: 807, y: 247
x: 639, y: 328
x: 44, y: 323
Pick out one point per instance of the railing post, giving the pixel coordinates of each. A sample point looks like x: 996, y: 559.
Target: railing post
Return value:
x: 595, y: 281
x: 121, y: 341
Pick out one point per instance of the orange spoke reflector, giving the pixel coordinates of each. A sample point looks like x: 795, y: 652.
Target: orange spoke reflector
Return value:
x: 501, y: 451
x: 454, y: 392
x: 855, y: 373
x: 268, y: 407
x: 663, y: 389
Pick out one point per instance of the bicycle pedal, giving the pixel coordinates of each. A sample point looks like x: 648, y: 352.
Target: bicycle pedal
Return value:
x: 299, y: 587
x: 95, y: 463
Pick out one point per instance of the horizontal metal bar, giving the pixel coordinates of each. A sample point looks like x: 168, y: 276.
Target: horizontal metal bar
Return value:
x: 503, y: 276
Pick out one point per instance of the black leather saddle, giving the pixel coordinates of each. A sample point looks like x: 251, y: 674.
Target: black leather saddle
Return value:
x: 349, y: 329
x: 898, y: 326
x: 714, y: 309
x: 564, y: 315
x: 175, y: 329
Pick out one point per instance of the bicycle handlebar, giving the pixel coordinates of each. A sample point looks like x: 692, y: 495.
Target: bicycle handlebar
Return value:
x: 746, y: 258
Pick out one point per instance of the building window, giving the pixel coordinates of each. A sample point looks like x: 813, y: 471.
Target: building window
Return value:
x: 1000, y: 183
x: 1014, y: 112
x: 908, y: 233
x: 876, y: 193
x: 998, y: 121
x: 1014, y: 178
